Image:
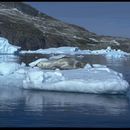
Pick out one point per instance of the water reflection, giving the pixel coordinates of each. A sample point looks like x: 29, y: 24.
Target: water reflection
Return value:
x: 9, y: 98
x: 86, y: 103
x: 9, y: 58
x: 95, y: 59
x: 56, y: 101
x: 124, y: 61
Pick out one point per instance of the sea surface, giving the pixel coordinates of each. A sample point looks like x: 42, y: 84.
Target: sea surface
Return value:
x: 33, y: 108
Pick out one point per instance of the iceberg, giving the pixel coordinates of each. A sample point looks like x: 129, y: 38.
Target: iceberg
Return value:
x: 14, y: 78
x: 98, y: 79
x: 111, y: 53
x: 8, y: 68
x: 116, y: 54
x: 59, y: 50
x: 88, y: 80
x: 76, y: 51
x: 6, y: 48
x: 57, y: 57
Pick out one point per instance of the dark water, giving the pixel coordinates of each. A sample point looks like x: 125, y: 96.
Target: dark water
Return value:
x: 27, y: 108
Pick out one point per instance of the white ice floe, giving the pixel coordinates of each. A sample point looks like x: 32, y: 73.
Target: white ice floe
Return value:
x: 97, y: 79
x: 14, y: 78
x: 8, y: 68
x: 93, y: 80
x: 110, y: 53
x: 116, y: 54
x: 57, y: 57
x: 88, y: 66
x: 75, y: 50
x: 42, y: 77
x: 59, y: 50
x: 6, y: 47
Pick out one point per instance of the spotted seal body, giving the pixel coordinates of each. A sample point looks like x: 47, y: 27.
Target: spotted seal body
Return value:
x: 63, y: 63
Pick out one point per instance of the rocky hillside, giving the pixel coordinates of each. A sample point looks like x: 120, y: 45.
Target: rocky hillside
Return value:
x: 25, y: 26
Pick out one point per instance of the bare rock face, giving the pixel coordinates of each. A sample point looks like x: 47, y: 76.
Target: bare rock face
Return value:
x: 30, y: 29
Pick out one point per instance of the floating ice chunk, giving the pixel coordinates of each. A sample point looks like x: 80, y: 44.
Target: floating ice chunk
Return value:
x: 51, y: 77
x: 21, y: 71
x: 34, y: 63
x: 87, y: 66
x: 97, y: 66
x: 39, y: 77
x: 59, y: 50
x: 108, y: 48
x: 101, y: 67
x: 7, y: 48
x: 84, y: 86
x: 35, y: 76
x: 75, y: 50
x: 57, y: 57
x: 8, y: 67
x: 104, y: 68
x: 80, y: 56
x: 66, y: 49
x: 95, y: 80
x: 116, y: 54
x: 23, y: 64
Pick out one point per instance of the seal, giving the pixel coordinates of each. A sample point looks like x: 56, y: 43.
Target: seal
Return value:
x: 62, y: 63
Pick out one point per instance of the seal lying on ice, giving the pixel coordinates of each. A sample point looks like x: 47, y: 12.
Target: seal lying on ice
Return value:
x: 62, y: 63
